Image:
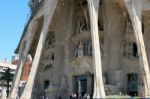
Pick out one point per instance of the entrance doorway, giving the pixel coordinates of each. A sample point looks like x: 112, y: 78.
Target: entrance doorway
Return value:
x: 83, y: 85
x: 132, y: 84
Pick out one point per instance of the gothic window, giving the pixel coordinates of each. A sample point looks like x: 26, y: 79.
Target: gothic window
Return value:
x: 87, y: 48
x: 84, y: 48
x: 135, y: 52
x: 130, y: 50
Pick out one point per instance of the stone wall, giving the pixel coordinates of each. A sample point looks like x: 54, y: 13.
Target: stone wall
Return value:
x: 65, y: 66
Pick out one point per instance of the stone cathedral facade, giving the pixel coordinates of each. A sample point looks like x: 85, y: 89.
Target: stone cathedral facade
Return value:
x: 59, y: 38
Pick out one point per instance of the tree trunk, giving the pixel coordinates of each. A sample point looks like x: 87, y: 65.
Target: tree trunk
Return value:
x: 135, y: 11
x: 7, y: 90
x: 99, y: 91
x: 27, y: 93
x: 21, y: 63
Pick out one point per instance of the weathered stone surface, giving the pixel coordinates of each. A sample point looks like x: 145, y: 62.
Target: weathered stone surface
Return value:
x: 111, y: 45
x: 135, y: 12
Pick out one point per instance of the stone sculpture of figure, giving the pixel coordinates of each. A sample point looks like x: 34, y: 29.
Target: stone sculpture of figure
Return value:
x: 85, y: 12
x: 131, y: 50
x: 84, y: 48
x: 126, y: 50
x: 76, y: 43
x: 89, y: 48
x: 83, y: 18
x: 80, y: 49
x: 80, y: 23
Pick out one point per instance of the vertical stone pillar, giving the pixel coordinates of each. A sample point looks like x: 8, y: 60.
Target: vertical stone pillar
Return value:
x: 135, y: 11
x: 79, y: 88
x: 29, y: 85
x: 89, y: 84
x: 98, y: 80
x: 13, y: 93
x: 27, y: 93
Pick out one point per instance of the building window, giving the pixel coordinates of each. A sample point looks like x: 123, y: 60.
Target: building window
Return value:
x: 130, y: 50
x: 83, y: 48
x: 100, y: 17
x: 135, y: 52
x: 46, y: 84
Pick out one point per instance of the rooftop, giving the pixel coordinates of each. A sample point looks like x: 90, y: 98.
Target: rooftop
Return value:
x: 8, y: 65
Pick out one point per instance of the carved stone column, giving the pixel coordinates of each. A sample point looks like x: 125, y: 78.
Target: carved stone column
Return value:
x: 89, y: 84
x: 135, y: 11
x: 27, y: 93
x: 13, y: 93
x: 98, y: 80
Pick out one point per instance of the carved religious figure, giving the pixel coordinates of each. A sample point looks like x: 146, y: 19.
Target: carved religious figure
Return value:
x: 80, y: 49
x: 85, y: 11
x: 81, y: 25
x: 126, y: 50
x: 83, y: 18
x: 131, y: 50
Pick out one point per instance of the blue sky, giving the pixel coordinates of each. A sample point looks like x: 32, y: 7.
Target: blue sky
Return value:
x: 13, y: 16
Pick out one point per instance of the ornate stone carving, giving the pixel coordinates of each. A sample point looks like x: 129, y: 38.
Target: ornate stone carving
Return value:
x: 83, y: 18
x: 129, y: 28
x: 83, y: 48
x: 130, y: 50
x: 81, y: 25
x: 50, y: 43
x: 47, y: 62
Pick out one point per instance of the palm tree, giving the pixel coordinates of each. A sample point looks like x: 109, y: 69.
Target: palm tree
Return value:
x: 6, y: 77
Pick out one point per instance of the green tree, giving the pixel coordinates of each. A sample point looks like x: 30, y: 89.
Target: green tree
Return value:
x: 6, y: 77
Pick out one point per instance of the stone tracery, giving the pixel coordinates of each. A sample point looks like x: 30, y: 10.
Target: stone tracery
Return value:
x: 47, y: 61
x: 129, y: 46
